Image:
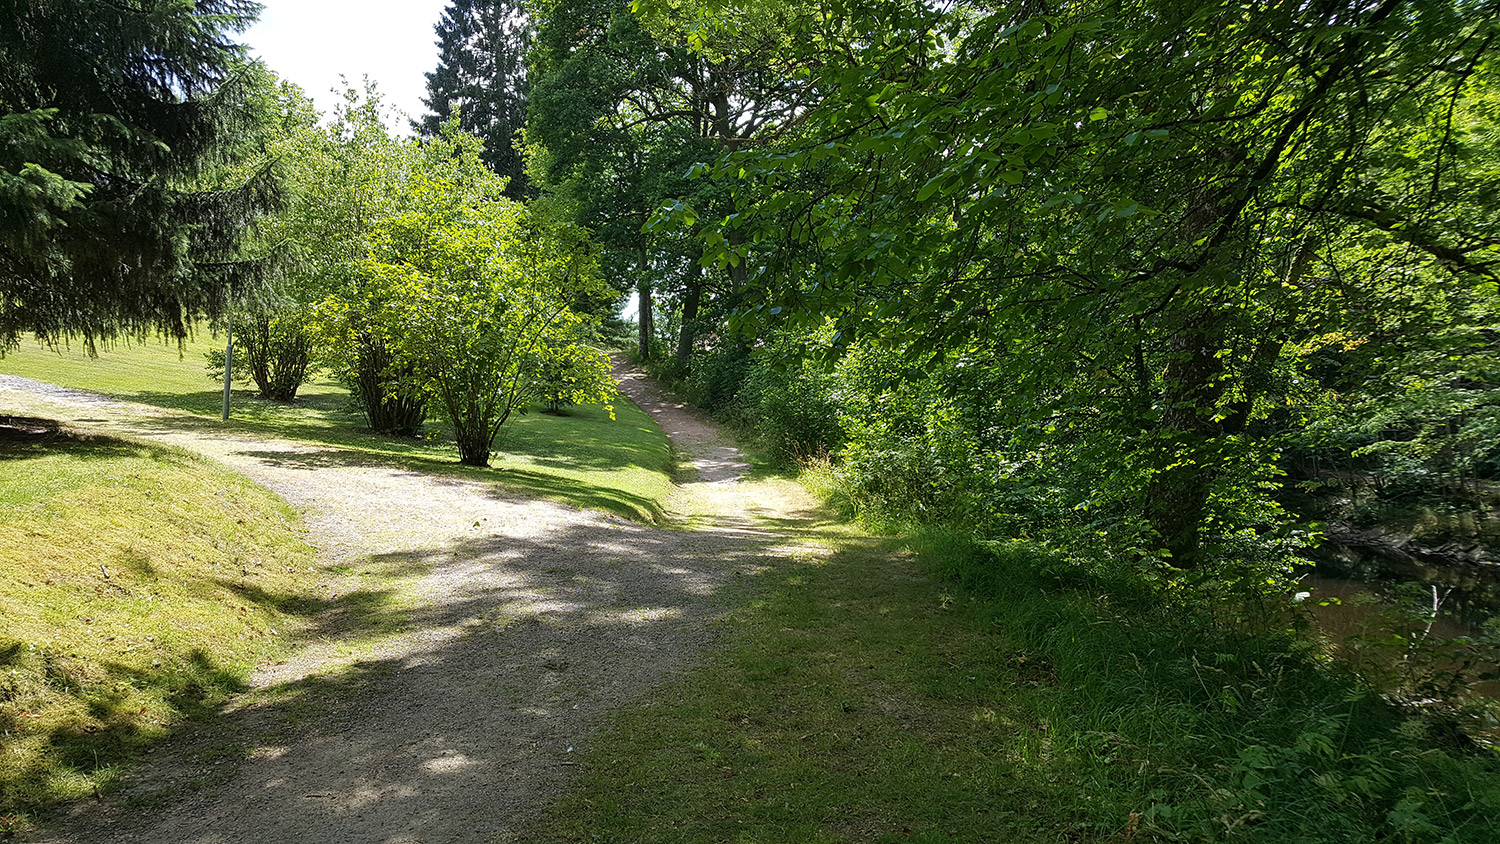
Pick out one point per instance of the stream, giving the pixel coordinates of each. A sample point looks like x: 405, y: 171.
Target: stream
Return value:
x: 1367, y: 578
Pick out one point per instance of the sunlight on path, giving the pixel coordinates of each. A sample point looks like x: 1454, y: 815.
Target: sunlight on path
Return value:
x: 717, y: 462
x: 463, y: 644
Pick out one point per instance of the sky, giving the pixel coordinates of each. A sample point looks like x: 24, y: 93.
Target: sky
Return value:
x: 311, y: 42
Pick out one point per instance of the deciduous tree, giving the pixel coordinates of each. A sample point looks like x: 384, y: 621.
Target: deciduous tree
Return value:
x: 1123, y: 212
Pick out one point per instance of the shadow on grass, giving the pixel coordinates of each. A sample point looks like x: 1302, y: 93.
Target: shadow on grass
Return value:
x: 244, y: 405
x: 506, y: 483
x: 29, y: 438
x: 463, y: 720
x: 117, y: 708
x: 589, y: 496
x: 110, y: 725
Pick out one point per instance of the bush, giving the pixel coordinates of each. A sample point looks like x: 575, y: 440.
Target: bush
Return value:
x: 793, y: 409
x: 271, y: 348
x: 568, y: 373
x: 277, y: 351
x: 387, y: 390
x: 717, y: 378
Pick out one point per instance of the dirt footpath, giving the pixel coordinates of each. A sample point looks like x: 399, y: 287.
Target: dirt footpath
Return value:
x: 524, y: 623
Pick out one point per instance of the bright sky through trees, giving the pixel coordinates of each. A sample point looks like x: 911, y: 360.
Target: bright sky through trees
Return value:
x: 311, y: 42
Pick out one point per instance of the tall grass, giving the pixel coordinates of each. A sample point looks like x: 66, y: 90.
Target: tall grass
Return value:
x: 1214, y: 731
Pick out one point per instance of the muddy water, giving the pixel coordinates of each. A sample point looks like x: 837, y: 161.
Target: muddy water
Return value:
x: 1472, y: 590
x: 1368, y: 582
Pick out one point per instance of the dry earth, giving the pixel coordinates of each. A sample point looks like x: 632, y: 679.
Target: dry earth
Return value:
x: 524, y: 622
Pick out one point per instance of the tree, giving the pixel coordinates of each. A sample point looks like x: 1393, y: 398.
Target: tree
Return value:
x: 1122, y: 213
x: 481, y: 80
x: 484, y: 302
x: 115, y: 218
x: 346, y: 179
x: 621, y: 111
x: 274, y: 350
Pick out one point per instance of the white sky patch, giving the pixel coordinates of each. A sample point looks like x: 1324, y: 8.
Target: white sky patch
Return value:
x: 311, y: 42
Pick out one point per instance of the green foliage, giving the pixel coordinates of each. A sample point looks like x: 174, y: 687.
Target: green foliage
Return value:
x: 787, y: 402
x: 622, y: 115
x: 1217, y: 731
x: 1124, y: 217
x: 124, y: 205
x: 794, y: 408
x: 347, y: 179
x: 482, y: 308
x: 571, y: 374
x: 425, y: 282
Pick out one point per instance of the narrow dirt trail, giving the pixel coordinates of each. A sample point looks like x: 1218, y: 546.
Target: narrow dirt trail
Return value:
x: 524, y: 622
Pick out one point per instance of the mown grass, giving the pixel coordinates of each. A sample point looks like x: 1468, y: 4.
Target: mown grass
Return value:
x: 584, y: 458
x: 932, y: 688
x: 141, y: 586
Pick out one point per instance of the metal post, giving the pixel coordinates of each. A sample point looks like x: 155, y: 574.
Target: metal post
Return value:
x: 228, y: 364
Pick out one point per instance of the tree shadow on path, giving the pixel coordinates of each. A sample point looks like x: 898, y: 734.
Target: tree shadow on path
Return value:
x: 457, y: 728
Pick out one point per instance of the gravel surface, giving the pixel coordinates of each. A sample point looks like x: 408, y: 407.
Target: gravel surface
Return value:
x: 523, y: 622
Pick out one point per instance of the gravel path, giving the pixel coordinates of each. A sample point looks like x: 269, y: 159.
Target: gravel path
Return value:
x: 526, y: 621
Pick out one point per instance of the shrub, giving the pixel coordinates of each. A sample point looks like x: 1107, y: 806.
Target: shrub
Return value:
x: 273, y: 348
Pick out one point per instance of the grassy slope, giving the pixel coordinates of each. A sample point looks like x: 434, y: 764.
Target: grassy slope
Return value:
x: 585, y: 459
x: 142, y: 585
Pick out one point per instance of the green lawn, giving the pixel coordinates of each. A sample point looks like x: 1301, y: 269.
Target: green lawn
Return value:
x: 128, y: 553
x: 621, y: 465
x: 141, y: 586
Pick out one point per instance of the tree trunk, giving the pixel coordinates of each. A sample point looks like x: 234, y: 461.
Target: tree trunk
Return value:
x: 390, y: 407
x: 473, y: 446
x: 1177, y: 495
x: 1195, y: 428
x: 692, y: 298
x: 645, y: 306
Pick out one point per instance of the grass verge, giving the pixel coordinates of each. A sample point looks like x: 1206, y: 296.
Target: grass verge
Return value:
x: 621, y: 466
x: 142, y: 586
x: 973, y: 692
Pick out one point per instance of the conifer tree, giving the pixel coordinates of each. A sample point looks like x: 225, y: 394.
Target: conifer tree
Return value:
x: 122, y: 207
x: 481, y: 75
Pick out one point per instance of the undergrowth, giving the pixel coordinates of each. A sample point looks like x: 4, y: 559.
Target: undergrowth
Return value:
x: 1218, y: 732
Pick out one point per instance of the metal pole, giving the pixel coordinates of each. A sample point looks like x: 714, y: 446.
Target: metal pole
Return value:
x: 228, y: 364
